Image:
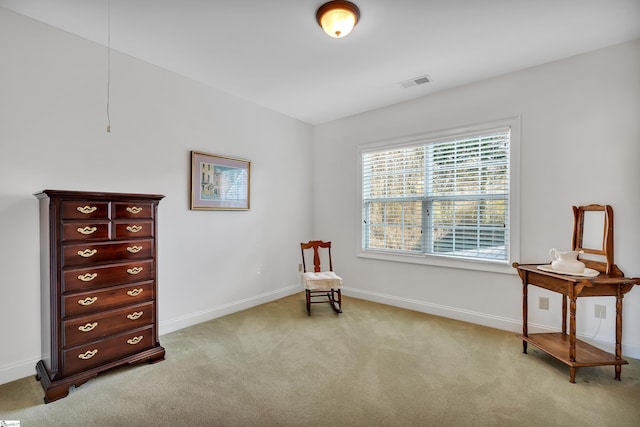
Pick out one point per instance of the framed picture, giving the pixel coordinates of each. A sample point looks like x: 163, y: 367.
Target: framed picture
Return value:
x: 219, y: 183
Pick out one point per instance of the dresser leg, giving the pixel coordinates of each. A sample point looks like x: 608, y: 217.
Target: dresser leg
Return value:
x: 618, y: 372
x: 572, y: 375
x: 56, y: 393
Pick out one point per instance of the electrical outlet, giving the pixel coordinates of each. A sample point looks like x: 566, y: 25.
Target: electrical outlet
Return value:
x: 600, y: 311
x: 299, y: 267
x: 543, y: 303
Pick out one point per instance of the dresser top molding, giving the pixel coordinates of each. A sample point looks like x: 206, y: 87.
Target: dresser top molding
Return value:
x: 95, y: 195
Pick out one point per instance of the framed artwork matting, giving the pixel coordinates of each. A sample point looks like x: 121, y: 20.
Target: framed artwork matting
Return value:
x: 219, y: 182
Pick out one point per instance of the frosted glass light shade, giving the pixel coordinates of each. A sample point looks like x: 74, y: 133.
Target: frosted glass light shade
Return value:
x: 337, y: 18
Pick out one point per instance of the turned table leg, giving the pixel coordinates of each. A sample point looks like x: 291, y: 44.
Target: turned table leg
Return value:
x: 525, y: 311
x: 618, y: 333
x: 564, y: 314
x: 572, y: 337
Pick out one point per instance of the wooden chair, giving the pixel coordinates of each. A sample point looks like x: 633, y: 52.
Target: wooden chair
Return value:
x: 319, y: 283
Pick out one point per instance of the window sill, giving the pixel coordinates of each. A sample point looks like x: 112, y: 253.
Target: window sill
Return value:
x: 503, y: 267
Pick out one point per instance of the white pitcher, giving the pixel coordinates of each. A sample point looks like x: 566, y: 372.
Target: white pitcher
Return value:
x: 566, y: 261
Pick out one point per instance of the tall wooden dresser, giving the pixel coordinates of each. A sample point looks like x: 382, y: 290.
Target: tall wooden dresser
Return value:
x: 99, y: 289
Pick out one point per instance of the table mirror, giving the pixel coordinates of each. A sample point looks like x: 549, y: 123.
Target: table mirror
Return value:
x: 593, y: 234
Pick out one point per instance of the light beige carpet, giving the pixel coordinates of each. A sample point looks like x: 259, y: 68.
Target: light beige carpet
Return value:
x: 373, y: 365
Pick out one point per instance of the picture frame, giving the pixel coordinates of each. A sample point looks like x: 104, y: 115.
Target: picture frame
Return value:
x: 219, y: 182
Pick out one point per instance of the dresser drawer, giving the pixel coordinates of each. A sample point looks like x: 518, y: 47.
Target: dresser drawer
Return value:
x: 85, y: 231
x: 132, y: 210
x: 93, y: 301
x: 99, y: 253
x: 102, y: 324
x: 132, y: 229
x: 82, y: 209
x: 89, y: 356
x: 81, y: 279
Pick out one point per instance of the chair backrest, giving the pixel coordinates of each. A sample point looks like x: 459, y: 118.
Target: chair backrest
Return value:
x: 316, y: 245
x: 597, y: 217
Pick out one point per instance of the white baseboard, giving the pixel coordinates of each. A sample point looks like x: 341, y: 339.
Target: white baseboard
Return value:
x: 27, y: 368
x: 172, y: 325
x: 18, y: 371
x: 484, y: 319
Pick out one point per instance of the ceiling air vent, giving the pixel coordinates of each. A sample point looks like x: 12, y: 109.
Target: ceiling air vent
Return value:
x: 415, y: 81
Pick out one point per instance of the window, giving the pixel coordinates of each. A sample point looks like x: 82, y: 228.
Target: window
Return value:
x: 442, y: 197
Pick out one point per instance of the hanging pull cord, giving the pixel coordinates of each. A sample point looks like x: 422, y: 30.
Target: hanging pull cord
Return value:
x: 108, y: 65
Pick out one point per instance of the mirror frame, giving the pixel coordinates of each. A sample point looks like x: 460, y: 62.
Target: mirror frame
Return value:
x: 607, y: 236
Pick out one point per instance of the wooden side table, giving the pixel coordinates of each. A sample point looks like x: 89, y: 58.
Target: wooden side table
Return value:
x: 565, y: 347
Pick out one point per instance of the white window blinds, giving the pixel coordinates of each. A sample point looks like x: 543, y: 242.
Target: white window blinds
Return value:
x: 447, y: 197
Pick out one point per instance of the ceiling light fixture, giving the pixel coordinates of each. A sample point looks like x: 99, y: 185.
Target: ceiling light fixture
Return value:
x: 337, y: 18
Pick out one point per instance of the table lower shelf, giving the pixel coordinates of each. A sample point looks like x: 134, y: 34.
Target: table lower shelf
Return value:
x: 556, y: 344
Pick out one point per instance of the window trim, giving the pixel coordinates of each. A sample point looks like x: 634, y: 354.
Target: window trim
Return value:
x: 514, y: 197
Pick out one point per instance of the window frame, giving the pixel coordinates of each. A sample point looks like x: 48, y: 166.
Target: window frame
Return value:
x: 499, y: 266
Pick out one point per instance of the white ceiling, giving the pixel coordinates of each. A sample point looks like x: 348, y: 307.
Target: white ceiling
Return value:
x: 273, y: 52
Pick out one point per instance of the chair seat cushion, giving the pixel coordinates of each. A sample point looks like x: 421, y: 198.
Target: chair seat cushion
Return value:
x: 322, y: 280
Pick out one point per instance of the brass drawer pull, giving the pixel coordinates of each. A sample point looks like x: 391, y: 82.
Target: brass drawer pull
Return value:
x: 86, y: 209
x: 134, y: 270
x: 88, y: 354
x: 134, y: 340
x: 88, y: 327
x: 134, y: 292
x: 135, y: 315
x: 134, y: 228
x: 87, y: 301
x: 87, y: 253
x: 134, y: 249
x: 87, y: 277
x: 134, y: 210
x: 87, y: 230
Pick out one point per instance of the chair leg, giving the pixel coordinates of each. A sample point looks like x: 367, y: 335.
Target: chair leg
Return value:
x: 308, y: 302
x: 335, y: 304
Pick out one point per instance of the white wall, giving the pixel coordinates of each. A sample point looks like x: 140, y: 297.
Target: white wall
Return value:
x: 580, y: 144
x: 52, y: 136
